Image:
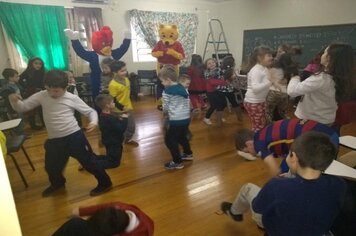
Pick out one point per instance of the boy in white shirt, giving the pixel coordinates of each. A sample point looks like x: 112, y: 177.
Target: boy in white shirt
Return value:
x: 65, y: 138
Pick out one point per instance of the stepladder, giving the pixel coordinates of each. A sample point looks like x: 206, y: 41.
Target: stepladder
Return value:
x: 216, y: 41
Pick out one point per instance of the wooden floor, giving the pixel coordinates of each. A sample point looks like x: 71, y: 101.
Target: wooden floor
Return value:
x: 182, y: 202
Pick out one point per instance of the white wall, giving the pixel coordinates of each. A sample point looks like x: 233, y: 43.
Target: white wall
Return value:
x: 236, y: 16
x: 115, y: 15
x: 239, y: 15
x: 10, y: 224
x: 4, y: 59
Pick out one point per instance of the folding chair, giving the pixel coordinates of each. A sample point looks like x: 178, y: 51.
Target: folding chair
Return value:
x: 14, y: 144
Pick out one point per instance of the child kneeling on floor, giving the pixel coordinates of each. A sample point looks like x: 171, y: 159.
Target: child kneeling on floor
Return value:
x: 304, y: 205
x: 112, y: 126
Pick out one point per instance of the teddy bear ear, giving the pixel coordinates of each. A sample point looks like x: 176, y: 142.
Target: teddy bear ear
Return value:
x: 161, y: 26
x: 174, y: 26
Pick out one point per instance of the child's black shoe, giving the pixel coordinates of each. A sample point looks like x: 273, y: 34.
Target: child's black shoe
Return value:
x: 50, y: 190
x: 226, y: 208
x: 100, y: 190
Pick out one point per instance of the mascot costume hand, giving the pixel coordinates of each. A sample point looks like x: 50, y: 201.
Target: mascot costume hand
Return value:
x: 168, y: 50
x: 101, y: 42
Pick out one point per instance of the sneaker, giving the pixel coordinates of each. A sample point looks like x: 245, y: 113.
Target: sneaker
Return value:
x: 131, y: 142
x: 173, y: 166
x: 226, y: 208
x: 50, y: 190
x: 246, y: 156
x: 223, y: 120
x: 100, y: 190
x: 187, y: 157
x: 207, y: 121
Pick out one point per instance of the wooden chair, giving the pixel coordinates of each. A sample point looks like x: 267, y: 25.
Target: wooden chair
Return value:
x: 14, y: 144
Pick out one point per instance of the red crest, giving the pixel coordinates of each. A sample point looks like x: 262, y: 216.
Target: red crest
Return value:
x: 102, y: 38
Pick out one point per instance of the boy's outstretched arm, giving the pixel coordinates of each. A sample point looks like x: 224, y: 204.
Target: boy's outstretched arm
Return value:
x: 89, y: 112
x: 25, y: 105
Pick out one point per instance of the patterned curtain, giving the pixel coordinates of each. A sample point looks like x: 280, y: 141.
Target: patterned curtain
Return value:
x: 146, y: 25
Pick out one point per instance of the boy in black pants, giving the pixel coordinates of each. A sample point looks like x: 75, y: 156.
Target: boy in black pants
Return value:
x: 65, y: 138
x: 112, y: 126
x: 177, y: 108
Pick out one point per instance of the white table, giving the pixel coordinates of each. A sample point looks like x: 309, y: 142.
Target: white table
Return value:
x: 7, y: 204
x: 9, y: 124
x: 339, y: 169
x: 348, y: 141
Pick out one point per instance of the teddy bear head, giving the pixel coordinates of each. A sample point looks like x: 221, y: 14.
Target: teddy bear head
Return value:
x: 102, y: 41
x: 168, y: 34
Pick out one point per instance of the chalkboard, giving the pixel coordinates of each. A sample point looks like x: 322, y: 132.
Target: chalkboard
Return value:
x: 310, y: 39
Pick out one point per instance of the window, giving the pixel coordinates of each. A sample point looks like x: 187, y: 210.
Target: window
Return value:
x: 83, y: 35
x: 141, y: 51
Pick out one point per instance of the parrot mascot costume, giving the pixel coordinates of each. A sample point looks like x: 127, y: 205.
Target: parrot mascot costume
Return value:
x: 102, y: 45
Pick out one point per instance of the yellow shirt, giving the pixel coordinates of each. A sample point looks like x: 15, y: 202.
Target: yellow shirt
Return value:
x: 3, y: 143
x: 121, y: 92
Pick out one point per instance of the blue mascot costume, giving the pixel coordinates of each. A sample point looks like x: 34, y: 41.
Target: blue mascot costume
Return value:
x: 102, y: 43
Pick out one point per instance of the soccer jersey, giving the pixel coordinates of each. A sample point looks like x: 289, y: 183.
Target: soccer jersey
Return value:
x: 276, y: 138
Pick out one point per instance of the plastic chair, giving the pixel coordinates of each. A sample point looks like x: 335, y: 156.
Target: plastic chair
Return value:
x: 14, y: 144
x: 345, y: 114
x: 148, y: 78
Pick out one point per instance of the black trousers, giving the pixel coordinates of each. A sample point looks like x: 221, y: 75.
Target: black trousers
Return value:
x: 176, y: 135
x: 217, y: 102
x: 112, y: 158
x: 75, y: 226
x: 58, y: 151
x: 232, y: 99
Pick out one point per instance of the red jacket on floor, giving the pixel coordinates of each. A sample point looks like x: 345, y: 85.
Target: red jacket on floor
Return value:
x: 145, y: 227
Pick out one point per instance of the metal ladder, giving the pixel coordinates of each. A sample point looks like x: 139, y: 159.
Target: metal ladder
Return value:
x: 211, y: 39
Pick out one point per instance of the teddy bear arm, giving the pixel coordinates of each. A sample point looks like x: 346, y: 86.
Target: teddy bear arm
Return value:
x: 157, y: 54
x: 175, y: 54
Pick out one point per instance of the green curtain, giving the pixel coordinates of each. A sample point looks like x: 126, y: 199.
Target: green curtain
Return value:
x: 37, y: 30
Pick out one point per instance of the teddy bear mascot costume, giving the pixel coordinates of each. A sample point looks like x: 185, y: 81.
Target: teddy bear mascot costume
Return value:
x: 167, y: 51
x: 102, y: 45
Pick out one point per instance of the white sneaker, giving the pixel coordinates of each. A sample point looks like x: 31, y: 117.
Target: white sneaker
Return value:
x: 223, y: 120
x: 246, y: 156
x: 207, y: 121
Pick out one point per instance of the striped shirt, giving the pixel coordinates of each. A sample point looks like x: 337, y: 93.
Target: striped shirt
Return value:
x: 276, y: 138
x: 176, y: 103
